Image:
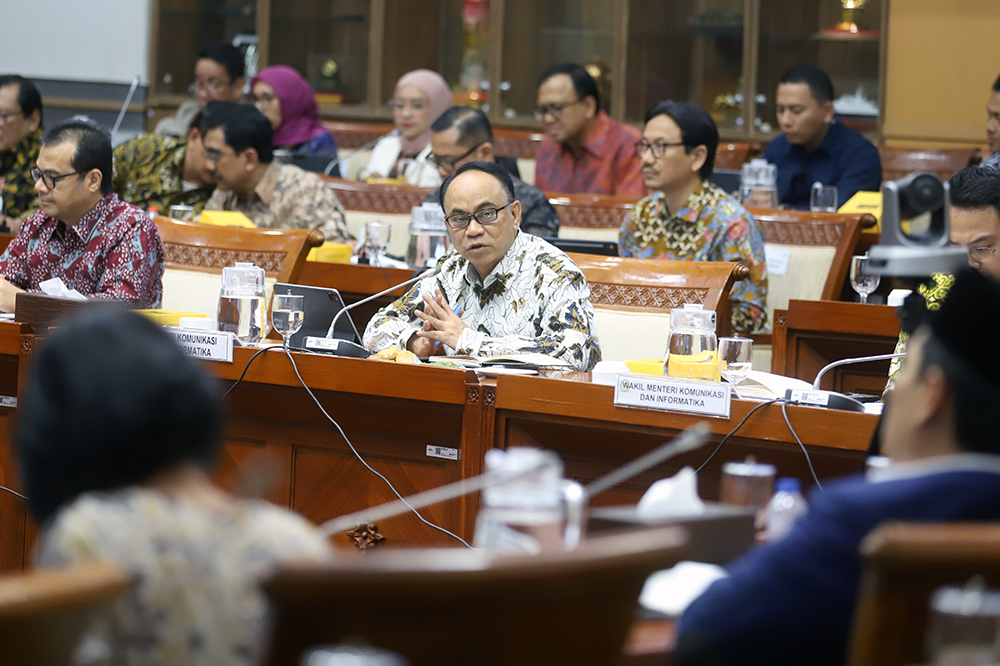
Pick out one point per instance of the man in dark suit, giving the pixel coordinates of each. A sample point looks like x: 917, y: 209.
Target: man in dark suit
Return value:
x: 792, y: 601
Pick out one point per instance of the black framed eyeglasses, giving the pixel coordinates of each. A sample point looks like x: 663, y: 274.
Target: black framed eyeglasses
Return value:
x: 484, y: 217
x: 554, y: 110
x: 50, y: 180
x: 659, y: 148
x: 7, y: 115
x: 450, y: 162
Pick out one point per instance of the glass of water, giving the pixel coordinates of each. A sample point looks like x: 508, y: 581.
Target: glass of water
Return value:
x: 735, y: 359
x: 863, y: 283
x: 287, y: 315
x: 377, y: 239
x: 182, y: 213
x: 823, y: 198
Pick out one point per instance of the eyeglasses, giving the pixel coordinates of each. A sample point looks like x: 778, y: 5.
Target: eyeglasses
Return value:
x: 658, y: 149
x: 981, y: 255
x: 210, y: 86
x: 400, y: 104
x: 50, y: 180
x: 7, y: 115
x: 484, y: 217
x: 450, y: 162
x: 214, y: 155
x: 261, y: 99
x: 554, y: 110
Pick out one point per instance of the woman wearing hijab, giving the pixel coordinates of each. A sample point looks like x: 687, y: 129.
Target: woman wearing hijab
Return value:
x: 421, y: 96
x: 288, y: 101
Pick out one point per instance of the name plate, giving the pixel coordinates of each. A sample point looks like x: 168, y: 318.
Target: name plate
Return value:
x: 673, y: 395
x: 204, y: 345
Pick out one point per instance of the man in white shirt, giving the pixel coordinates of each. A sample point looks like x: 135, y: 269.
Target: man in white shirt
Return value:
x: 499, y: 291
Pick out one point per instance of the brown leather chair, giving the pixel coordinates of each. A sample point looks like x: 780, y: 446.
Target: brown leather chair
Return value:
x: 195, y: 255
x: 451, y: 607
x: 900, y: 162
x: 43, y: 613
x: 904, y: 564
x: 731, y: 155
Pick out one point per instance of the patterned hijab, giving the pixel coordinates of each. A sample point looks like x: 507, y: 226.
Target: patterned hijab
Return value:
x: 438, y: 94
x: 299, y: 113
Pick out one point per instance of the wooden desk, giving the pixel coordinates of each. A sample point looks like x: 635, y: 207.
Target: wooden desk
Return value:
x: 811, y: 334
x: 579, y: 421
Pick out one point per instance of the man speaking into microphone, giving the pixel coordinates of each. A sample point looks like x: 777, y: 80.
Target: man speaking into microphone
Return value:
x: 499, y: 291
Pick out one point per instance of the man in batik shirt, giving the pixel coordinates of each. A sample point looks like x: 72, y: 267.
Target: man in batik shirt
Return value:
x: 161, y: 171
x: 20, y: 139
x: 688, y: 218
x: 499, y: 291
x: 240, y: 155
x: 83, y: 234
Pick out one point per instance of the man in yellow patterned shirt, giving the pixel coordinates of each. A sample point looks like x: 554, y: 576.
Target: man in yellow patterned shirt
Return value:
x: 20, y: 141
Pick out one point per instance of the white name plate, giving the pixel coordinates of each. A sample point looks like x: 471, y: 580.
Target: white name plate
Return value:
x: 204, y: 345
x: 673, y: 395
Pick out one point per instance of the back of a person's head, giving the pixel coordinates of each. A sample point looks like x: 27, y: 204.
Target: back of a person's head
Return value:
x: 697, y: 129
x: 227, y: 55
x: 583, y: 83
x: 472, y: 124
x: 28, y: 97
x: 110, y: 402
x: 975, y: 188
x: 958, y: 344
x: 813, y: 76
x: 213, y: 115
x: 246, y: 127
x: 93, y: 147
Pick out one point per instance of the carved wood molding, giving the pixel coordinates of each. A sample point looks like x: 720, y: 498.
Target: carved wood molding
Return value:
x: 383, y: 200
x: 28, y: 343
x: 664, y: 298
x: 489, y: 395
x: 208, y: 257
x: 592, y: 217
x: 780, y: 317
x: 802, y: 233
x: 365, y: 536
x: 472, y: 395
x: 522, y: 149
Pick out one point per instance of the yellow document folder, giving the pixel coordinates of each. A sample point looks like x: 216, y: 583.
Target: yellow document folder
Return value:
x: 865, y: 202
x: 226, y: 218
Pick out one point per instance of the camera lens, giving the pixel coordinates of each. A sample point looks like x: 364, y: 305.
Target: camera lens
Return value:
x: 922, y: 193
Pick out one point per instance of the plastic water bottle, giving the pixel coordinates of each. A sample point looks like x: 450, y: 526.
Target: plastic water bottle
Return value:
x: 785, y: 508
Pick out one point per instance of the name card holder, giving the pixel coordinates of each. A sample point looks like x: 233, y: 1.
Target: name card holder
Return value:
x: 204, y: 345
x: 670, y: 394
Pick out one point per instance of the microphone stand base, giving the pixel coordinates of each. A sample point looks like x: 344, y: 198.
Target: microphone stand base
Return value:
x: 827, y: 399
x: 336, y: 346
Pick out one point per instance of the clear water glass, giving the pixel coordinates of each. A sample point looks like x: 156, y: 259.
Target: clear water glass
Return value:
x: 862, y: 282
x: 377, y: 238
x: 735, y: 359
x: 287, y: 315
x: 823, y: 198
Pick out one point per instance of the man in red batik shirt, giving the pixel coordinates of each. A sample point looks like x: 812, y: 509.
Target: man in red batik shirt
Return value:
x: 83, y: 234
x: 584, y: 150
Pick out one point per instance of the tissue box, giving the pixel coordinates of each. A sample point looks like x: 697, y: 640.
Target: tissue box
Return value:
x: 41, y: 311
x: 652, y: 366
x: 226, y: 218
x: 331, y: 253
x: 169, y: 317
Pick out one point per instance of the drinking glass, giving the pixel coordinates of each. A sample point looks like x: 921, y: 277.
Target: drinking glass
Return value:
x: 287, y: 315
x: 863, y: 283
x: 182, y: 213
x: 823, y: 198
x: 377, y: 238
x: 735, y: 359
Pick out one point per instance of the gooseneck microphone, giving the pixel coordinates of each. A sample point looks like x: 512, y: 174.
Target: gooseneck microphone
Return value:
x: 431, y: 272
x: 816, y: 397
x: 334, y: 162
x: 853, y: 361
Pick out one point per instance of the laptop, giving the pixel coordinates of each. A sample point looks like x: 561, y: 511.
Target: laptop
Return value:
x: 603, y: 248
x: 320, y: 306
x: 729, y: 180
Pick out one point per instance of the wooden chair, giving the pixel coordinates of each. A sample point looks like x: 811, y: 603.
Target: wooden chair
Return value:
x: 632, y: 299
x: 904, y: 564
x: 900, y: 162
x: 733, y: 154
x: 44, y: 613
x: 590, y: 216
x: 522, y: 145
x: 452, y: 607
x: 353, y: 135
x: 369, y: 202
x: 195, y: 255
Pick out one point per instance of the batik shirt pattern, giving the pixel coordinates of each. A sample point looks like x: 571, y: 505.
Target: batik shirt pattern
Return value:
x: 19, y: 195
x: 149, y: 171
x: 712, y: 226
x: 535, y: 300
x: 113, y: 252
x: 288, y: 197
x: 934, y: 292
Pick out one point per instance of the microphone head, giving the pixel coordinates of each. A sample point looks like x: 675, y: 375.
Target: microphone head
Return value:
x: 431, y: 272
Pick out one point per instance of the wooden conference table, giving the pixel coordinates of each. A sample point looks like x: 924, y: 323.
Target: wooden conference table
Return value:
x: 411, y: 422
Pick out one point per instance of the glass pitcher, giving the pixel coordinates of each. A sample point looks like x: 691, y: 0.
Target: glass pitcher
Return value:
x: 538, y: 510
x: 759, y: 184
x: 241, y: 302
x: 429, y: 240
x: 692, y: 352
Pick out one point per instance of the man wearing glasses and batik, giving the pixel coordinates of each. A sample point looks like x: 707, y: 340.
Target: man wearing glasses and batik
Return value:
x: 20, y: 138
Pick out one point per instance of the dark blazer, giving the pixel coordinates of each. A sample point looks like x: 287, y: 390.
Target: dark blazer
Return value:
x: 792, y: 601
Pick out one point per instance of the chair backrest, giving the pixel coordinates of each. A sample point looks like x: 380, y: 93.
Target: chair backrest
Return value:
x: 520, y: 144
x: 899, y: 162
x: 353, y: 135
x: 632, y: 299
x: 819, y: 247
x: 590, y: 216
x: 904, y: 564
x: 369, y: 202
x: 43, y: 613
x: 733, y: 154
x: 195, y: 255
x: 451, y: 607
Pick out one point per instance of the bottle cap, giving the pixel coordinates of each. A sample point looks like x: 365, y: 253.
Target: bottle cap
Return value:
x: 789, y: 485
